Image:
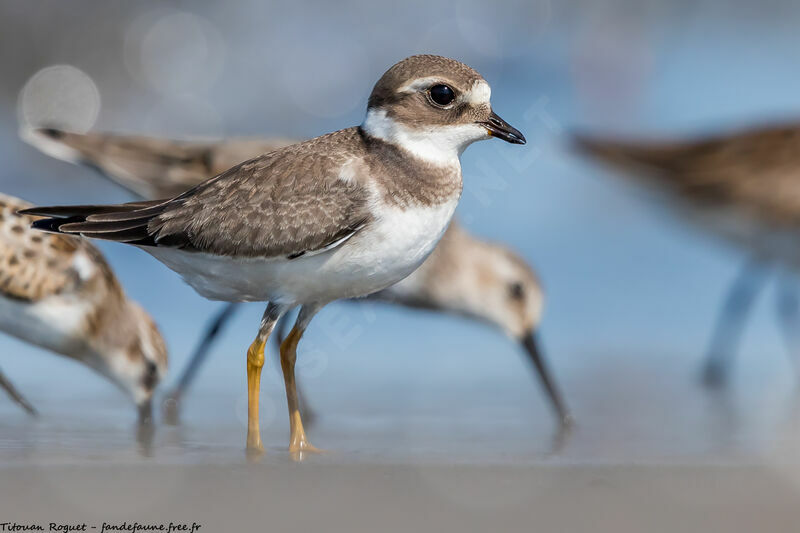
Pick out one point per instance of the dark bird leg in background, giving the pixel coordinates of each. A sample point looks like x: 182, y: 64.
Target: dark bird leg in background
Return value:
x: 172, y: 401
x: 531, y: 346
x: 15, y: 395
x: 731, y: 320
x: 787, y: 307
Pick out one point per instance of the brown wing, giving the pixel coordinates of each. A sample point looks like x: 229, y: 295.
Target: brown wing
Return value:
x: 285, y: 203
x: 757, y: 170
x: 151, y: 167
x: 33, y: 265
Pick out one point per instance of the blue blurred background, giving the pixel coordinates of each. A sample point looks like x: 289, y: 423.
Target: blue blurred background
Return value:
x: 632, y: 293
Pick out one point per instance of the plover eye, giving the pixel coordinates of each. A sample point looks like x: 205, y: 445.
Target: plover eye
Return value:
x: 441, y: 94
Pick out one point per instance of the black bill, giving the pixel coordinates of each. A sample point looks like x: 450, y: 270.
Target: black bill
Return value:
x: 531, y: 346
x: 501, y: 129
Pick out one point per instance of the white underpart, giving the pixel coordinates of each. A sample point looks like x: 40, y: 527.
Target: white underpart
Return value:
x: 440, y: 145
x: 384, y: 252
x: 49, y: 146
x: 54, y: 323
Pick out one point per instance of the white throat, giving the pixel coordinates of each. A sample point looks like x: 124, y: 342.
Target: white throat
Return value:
x: 440, y: 145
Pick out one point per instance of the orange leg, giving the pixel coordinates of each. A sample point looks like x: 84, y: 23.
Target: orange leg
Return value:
x: 255, y: 361
x: 298, y: 443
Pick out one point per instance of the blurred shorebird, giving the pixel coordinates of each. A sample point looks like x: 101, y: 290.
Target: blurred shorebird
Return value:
x: 743, y: 186
x: 464, y: 275
x: 58, y: 292
x: 150, y: 167
x: 340, y: 216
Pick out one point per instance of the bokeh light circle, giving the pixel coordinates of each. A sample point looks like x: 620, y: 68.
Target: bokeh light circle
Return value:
x: 174, y: 52
x: 60, y: 96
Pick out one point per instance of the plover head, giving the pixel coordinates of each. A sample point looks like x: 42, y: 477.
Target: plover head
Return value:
x: 434, y: 107
x: 504, y: 290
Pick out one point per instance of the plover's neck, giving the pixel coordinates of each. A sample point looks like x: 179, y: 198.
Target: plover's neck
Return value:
x: 440, y: 146
x: 405, y: 179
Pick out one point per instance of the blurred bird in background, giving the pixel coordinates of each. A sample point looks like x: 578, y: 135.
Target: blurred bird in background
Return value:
x: 58, y: 292
x: 464, y: 275
x: 743, y: 186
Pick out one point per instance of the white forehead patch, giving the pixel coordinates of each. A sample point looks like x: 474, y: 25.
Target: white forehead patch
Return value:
x: 480, y: 93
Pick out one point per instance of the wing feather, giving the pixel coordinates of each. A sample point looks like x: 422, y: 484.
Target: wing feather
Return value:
x: 285, y: 203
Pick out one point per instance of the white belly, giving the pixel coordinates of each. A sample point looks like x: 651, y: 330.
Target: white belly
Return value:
x: 381, y: 254
x: 54, y: 323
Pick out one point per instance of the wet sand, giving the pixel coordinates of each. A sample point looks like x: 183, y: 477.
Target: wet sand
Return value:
x: 280, y: 496
x: 471, y: 457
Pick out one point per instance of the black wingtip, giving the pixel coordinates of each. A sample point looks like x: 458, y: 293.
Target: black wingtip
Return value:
x: 124, y: 223
x: 47, y: 224
x: 53, y: 225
